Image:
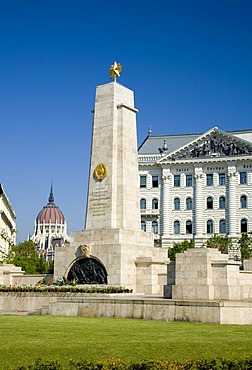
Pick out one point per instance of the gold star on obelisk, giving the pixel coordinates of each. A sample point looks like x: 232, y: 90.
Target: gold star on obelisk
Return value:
x: 115, y: 70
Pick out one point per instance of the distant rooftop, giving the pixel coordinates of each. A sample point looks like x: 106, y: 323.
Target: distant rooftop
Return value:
x: 156, y: 144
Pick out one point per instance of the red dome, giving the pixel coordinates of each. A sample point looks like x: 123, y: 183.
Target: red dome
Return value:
x: 50, y: 213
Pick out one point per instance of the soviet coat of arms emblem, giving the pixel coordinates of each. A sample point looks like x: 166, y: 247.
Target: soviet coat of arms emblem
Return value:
x: 101, y: 171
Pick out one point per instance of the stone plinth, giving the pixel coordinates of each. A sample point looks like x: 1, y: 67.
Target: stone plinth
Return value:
x: 209, y: 275
x: 247, y: 265
x: 8, y: 273
x: 129, y: 256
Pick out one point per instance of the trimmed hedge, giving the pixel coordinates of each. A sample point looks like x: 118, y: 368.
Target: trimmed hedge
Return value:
x: 215, y: 364
x: 64, y: 289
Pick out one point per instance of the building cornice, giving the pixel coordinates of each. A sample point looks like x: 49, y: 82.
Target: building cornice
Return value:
x: 6, y: 202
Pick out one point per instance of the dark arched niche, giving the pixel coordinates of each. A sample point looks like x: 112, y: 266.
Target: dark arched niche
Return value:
x: 88, y: 270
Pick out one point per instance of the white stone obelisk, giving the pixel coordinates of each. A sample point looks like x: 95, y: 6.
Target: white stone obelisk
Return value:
x: 112, y: 233
x: 113, y: 201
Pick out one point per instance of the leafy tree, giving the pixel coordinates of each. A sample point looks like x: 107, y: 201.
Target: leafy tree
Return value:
x: 222, y: 243
x: 180, y: 248
x: 245, y: 243
x: 25, y: 256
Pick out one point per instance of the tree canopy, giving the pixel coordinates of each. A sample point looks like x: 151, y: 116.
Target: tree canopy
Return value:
x: 245, y: 243
x: 25, y: 255
x: 222, y: 243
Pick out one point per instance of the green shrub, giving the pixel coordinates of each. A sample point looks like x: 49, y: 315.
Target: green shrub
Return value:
x: 245, y: 244
x: 65, y: 289
x: 214, y: 364
x: 222, y: 243
x: 180, y: 248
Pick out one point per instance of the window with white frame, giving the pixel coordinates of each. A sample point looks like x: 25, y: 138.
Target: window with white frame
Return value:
x: 222, y: 227
x: 177, y: 180
x: 243, y: 201
x: 155, y: 181
x: 243, y: 177
x: 209, y: 227
x: 154, y: 203
x: 222, y: 178
x: 143, y: 181
x: 154, y: 227
x: 189, y: 181
x: 177, y: 204
x: 244, y: 225
x: 189, y: 203
x: 189, y: 227
x: 209, y: 179
x: 222, y: 202
x: 143, y: 225
x: 209, y: 203
x: 176, y: 226
x: 143, y: 203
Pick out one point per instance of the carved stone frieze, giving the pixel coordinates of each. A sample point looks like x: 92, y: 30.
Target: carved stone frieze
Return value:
x: 214, y: 147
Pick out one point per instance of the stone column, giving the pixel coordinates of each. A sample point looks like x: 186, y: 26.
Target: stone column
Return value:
x: 165, y: 206
x: 231, y: 204
x: 198, y: 205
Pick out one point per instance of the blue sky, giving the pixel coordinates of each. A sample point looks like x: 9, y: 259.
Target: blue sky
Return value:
x: 188, y: 62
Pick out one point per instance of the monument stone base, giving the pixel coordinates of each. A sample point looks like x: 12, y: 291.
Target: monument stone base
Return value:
x: 207, y: 274
x: 129, y: 256
x: 8, y: 273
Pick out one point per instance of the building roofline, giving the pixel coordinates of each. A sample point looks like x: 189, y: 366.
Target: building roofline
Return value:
x: 193, y: 133
x: 7, y: 202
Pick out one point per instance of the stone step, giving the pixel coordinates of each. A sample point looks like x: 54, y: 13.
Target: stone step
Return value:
x: 19, y: 313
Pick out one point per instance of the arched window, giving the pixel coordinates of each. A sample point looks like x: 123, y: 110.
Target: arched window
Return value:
x: 176, y: 203
x: 222, y: 227
x: 243, y: 201
x: 222, y: 202
x: 188, y: 203
x: 143, y: 225
x: 154, y: 227
x: 209, y: 227
x: 143, y: 203
x: 176, y: 227
x: 154, y: 203
x: 188, y: 227
x: 244, y: 225
x: 209, y: 203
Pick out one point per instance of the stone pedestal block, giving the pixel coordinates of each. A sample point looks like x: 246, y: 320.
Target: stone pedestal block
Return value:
x: 129, y: 257
x: 205, y: 273
x: 8, y: 272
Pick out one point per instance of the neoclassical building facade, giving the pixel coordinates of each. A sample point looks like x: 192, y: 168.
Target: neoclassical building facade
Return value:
x: 50, y: 229
x: 7, y: 225
x: 196, y: 185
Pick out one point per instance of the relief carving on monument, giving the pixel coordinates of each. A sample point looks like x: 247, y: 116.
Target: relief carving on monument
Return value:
x: 85, y: 250
x: 214, y: 147
x: 100, y: 172
x: 87, y: 271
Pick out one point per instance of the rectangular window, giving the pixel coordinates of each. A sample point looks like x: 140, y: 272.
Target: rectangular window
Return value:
x: 222, y: 179
x: 155, y: 181
x: 188, y: 180
x: 142, y: 181
x: 209, y: 179
x: 177, y: 180
x: 243, y: 177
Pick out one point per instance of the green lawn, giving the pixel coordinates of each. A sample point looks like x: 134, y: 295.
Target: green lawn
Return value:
x: 26, y: 338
